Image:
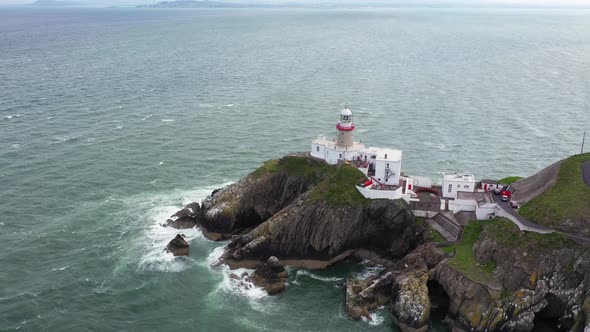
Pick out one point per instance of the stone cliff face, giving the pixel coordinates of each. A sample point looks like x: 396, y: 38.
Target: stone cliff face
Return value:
x: 319, y: 231
x: 534, y: 282
x: 254, y: 199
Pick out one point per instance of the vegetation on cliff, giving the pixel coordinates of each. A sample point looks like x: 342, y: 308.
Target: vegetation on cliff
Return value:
x: 509, y: 179
x: 566, y: 205
x: 297, y: 166
x: 464, y: 259
x: 504, y: 233
x: 340, y: 188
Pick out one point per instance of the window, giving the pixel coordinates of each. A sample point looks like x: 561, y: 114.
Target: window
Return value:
x: 466, y: 186
x: 387, y: 163
x: 450, y: 187
x: 317, y: 148
x: 340, y: 156
x: 386, y: 158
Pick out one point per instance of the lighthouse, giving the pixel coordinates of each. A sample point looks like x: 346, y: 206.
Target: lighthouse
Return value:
x: 342, y: 147
x: 345, y: 127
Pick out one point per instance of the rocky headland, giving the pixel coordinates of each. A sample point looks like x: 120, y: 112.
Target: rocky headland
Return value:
x: 301, y: 212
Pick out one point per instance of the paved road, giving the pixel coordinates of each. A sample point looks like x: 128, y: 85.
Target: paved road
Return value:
x: 586, y: 172
x: 531, y: 226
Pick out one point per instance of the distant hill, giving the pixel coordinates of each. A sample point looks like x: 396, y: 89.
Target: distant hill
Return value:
x: 200, y: 4
x: 55, y: 3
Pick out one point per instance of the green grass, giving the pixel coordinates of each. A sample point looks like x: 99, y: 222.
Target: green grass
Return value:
x: 464, y: 260
x: 432, y: 235
x: 340, y: 188
x: 297, y: 166
x: 509, y: 180
x: 568, y: 199
x: 504, y: 232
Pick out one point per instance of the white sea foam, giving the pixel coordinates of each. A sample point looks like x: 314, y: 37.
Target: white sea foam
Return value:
x: 368, y: 270
x: 167, y: 120
x: 213, y: 257
x: 161, y: 163
x: 62, y: 139
x: 147, y: 117
x: 12, y: 116
x: 316, y: 277
x: 60, y: 268
x: 374, y: 319
x: 155, y: 258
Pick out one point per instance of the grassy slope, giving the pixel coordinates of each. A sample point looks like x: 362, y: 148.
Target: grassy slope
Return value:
x: 510, y: 179
x: 568, y: 199
x: 506, y: 234
x: 432, y: 235
x: 464, y: 260
x: 298, y: 166
x: 340, y: 188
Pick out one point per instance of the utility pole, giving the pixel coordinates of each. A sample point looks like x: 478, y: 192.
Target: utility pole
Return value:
x: 583, y: 139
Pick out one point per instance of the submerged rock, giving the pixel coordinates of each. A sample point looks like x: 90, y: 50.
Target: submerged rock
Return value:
x: 178, y: 246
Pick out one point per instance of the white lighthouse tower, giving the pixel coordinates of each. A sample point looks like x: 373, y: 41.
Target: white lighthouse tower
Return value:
x: 345, y: 127
x: 341, y: 148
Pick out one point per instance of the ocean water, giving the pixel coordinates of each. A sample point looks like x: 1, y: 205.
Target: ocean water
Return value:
x: 112, y: 119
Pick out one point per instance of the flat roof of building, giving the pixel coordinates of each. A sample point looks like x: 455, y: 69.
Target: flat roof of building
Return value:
x: 489, y: 181
x: 384, y: 153
x: 458, y: 177
x: 479, y: 197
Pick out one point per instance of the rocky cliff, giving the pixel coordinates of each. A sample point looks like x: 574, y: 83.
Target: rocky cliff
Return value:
x: 254, y: 199
x: 536, y: 279
x: 329, y: 223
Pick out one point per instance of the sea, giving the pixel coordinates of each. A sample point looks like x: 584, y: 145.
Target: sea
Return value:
x: 111, y: 119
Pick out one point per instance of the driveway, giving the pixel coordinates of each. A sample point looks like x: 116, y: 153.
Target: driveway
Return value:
x: 533, y: 227
x: 586, y: 172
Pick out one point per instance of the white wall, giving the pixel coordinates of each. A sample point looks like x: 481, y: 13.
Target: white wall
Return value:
x: 376, y: 194
x: 462, y: 205
x: 455, y: 187
x: 380, y: 171
x: 485, y: 211
x: 318, y: 154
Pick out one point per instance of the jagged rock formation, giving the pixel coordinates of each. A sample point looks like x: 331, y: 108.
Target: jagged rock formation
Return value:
x: 271, y: 276
x: 530, y: 281
x: 254, y: 199
x: 315, y: 230
x: 404, y: 284
x: 178, y: 246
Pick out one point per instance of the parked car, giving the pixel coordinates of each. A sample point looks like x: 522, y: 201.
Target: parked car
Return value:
x: 513, y: 205
x: 506, y: 193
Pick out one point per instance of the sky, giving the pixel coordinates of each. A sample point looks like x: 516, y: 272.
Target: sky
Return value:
x: 527, y: 3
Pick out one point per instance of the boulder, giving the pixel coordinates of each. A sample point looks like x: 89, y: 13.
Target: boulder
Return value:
x: 185, y: 218
x: 271, y: 276
x: 178, y: 246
